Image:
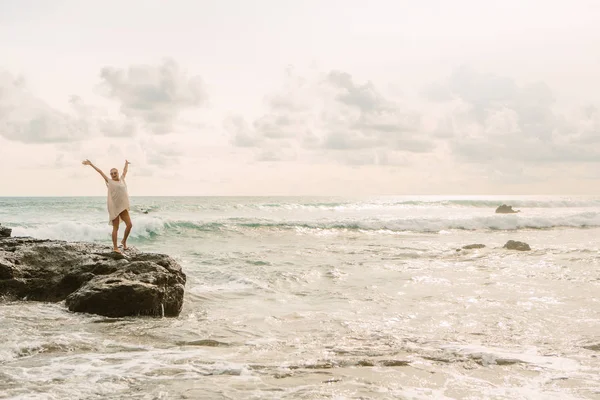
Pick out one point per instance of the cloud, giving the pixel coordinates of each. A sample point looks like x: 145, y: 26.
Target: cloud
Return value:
x: 154, y: 95
x: 112, y: 127
x: 588, y: 127
x: 242, y: 135
x: 163, y: 157
x: 99, y: 120
x: 491, y: 119
x: 159, y: 151
x: 331, y: 117
x: 27, y: 119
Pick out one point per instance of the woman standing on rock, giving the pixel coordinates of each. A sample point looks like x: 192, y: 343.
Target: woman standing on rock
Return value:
x: 117, y: 201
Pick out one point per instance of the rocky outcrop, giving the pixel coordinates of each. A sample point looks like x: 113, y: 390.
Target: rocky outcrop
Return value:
x: 91, y: 277
x: 5, y: 232
x: 515, y: 245
x: 504, y: 209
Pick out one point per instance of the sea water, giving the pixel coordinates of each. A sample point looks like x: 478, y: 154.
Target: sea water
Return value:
x: 325, y: 298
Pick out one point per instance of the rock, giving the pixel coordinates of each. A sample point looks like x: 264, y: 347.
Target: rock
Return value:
x: 395, y: 363
x: 474, y: 246
x: 504, y: 209
x: 91, y: 277
x: 515, y: 245
x: 5, y: 232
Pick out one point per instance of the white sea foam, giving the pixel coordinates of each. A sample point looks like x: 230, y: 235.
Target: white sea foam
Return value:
x: 88, y: 231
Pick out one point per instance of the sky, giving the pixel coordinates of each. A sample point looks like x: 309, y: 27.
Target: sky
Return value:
x: 282, y: 97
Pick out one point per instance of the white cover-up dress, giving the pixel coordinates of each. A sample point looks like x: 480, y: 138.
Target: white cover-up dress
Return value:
x: 117, y: 199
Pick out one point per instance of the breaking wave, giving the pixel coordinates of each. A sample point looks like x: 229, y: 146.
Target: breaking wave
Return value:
x: 381, y: 203
x: 151, y: 227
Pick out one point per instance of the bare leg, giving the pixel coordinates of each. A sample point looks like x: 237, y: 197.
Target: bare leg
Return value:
x: 115, y: 232
x: 128, y: 225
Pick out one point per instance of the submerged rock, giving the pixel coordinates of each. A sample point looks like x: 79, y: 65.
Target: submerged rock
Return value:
x: 594, y: 347
x: 515, y: 245
x: 504, y: 209
x: 91, y: 277
x: 474, y: 246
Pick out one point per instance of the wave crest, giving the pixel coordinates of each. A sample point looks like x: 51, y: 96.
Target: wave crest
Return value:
x: 151, y: 227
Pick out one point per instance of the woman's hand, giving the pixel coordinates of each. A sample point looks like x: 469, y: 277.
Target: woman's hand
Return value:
x: 88, y: 162
x: 125, y: 168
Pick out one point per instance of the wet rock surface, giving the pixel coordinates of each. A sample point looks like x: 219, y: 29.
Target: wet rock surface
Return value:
x: 516, y: 245
x: 90, y: 277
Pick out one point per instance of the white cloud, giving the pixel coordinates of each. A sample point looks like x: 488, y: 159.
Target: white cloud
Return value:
x: 27, y: 119
x: 163, y: 157
x: 113, y: 127
x: 153, y: 94
x: 334, y: 118
x: 588, y: 127
x: 490, y: 131
x: 491, y: 119
x: 242, y: 135
x: 103, y: 122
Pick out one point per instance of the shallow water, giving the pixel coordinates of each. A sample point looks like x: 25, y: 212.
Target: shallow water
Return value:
x: 314, y: 298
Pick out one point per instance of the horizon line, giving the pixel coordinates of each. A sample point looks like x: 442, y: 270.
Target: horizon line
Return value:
x: 308, y: 195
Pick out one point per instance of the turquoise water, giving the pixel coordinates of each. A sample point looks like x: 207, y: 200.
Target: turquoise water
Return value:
x: 340, y: 298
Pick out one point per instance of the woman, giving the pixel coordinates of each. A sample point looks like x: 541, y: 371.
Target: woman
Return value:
x: 117, y: 201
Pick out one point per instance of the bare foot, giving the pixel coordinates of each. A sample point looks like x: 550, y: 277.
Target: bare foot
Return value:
x: 124, y: 245
x: 116, y: 250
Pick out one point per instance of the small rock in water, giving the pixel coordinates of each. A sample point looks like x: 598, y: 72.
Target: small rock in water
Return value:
x: 594, y: 347
x: 395, y: 363
x: 204, y: 342
x: 365, y: 363
x: 474, y: 246
x: 516, y: 245
x: 504, y: 209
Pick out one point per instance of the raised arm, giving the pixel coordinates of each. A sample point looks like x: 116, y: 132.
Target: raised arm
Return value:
x: 88, y: 162
x: 125, y: 169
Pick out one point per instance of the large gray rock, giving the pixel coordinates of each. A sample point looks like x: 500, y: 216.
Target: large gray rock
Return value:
x: 90, y: 277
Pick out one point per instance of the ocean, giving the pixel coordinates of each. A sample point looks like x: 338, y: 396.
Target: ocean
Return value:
x: 325, y: 298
